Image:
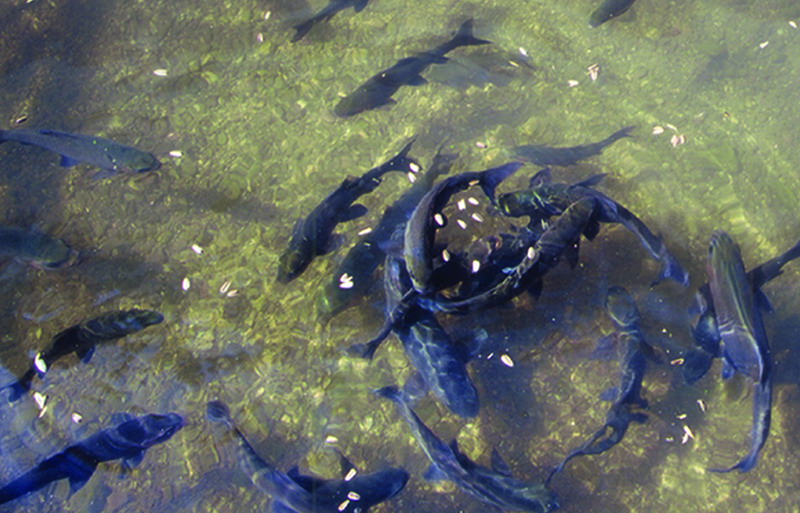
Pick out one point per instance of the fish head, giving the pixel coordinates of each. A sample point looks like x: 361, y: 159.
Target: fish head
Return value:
x: 514, y: 204
x: 150, y: 429
x: 55, y: 255
x: 131, y: 160
x: 621, y: 307
x: 146, y: 317
x: 376, y: 487
x: 535, y: 498
x: 292, y: 263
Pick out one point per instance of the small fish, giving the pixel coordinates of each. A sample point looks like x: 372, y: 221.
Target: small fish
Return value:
x: 745, y: 347
x: 82, y: 339
x: 627, y: 397
x: 39, y: 250
x: 440, y: 362
x: 544, y: 199
x: 313, y: 236
x: 549, y: 156
x: 364, y: 258
x: 112, y: 157
x: 293, y: 492
x: 128, y: 441
x: 609, y: 9
x: 378, y: 90
x: 325, y: 15
x: 493, y: 486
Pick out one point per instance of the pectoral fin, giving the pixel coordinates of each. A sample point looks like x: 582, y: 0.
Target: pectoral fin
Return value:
x: 279, y: 507
x: 354, y: 212
x: 418, y: 80
x: 69, y: 161
x: 543, y: 177
x: 360, y: 4
x: 434, y: 474
x: 133, y: 461
x: 499, y: 465
x: 85, y: 353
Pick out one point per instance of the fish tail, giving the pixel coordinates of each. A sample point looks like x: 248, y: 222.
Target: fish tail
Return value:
x: 217, y: 411
x: 491, y: 178
x: 696, y: 364
x: 619, y: 134
x: 390, y: 392
x: 401, y: 161
x: 303, y: 29
x: 465, y: 37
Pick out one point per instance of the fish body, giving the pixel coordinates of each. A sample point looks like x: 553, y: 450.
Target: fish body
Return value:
x: 325, y: 14
x: 82, y: 339
x: 439, y: 361
x: 364, y: 258
x: 745, y: 347
x: 544, y: 199
x: 550, y: 156
x: 293, y: 492
x: 493, y: 486
x: 609, y: 9
x: 40, y: 250
x: 109, y: 155
x: 628, y: 395
x: 378, y: 90
x: 313, y: 236
x: 127, y: 441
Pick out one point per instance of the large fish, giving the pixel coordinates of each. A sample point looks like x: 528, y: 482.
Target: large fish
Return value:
x: 378, y: 90
x: 127, y: 441
x: 40, y: 250
x: 544, y: 199
x: 439, y: 361
x: 313, y: 236
x: 569, y: 156
x: 325, y: 14
x: 609, y: 9
x: 627, y: 397
x: 293, y: 492
x: 493, y: 486
x: 745, y: 348
x: 706, y: 333
x: 82, y: 339
x: 354, y: 275
x: 111, y: 156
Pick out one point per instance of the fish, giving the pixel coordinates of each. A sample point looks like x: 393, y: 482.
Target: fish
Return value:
x: 440, y: 362
x: 293, y: 492
x: 418, y: 242
x: 325, y: 14
x: 82, y: 340
x: 38, y: 249
x: 379, y: 89
x: 544, y: 199
x: 365, y: 257
x: 114, y: 158
x: 627, y: 397
x: 559, y: 238
x: 549, y: 156
x: 698, y: 361
x: 493, y: 486
x: 127, y: 441
x: 609, y: 9
x: 313, y: 236
x: 745, y: 347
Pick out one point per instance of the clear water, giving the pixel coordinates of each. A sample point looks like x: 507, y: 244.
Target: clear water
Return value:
x: 260, y: 148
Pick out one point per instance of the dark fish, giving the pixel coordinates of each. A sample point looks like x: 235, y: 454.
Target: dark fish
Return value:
x: 81, y: 339
x: 439, y: 361
x: 628, y: 396
x: 313, y: 236
x: 745, y: 347
x: 325, y: 15
x: 494, y: 486
x: 293, y: 492
x: 418, y: 242
x: 111, y: 156
x: 544, y: 199
x: 548, y: 156
x: 706, y: 333
x: 564, y: 233
x: 359, y: 265
x: 609, y: 9
x: 378, y: 90
x: 128, y: 441
x: 40, y: 250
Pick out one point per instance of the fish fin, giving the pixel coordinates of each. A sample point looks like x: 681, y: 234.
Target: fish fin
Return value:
x: 132, y: 462
x: 699, y: 304
x: 728, y: 370
x: 592, y: 229
x: 491, y: 178
x: 434, y: 474
x: 499, y: 465
x: 360, y: 5
x: 69, y: 161
x: 572, y: 255
x: 435, y: 58
x: 591, y: 181
x: 762, y: 301
x: 543, y: 177
x: 605, y: 348
x: 345, y: 465
x: 302, y: 29
x: 79, y: 476
x: 121, y: 416
x: 280, y: 507
x: 465, y: 37
x: 535, y: 290
x: 415, y: 388
x: 307, y: 483
x: 85, y: 353
x: 609, y: 394
x: 472, y: 348
x: 418, y: 80
x: 390, y: 392
x: 639, y: 417
x: 354, y: 212
x: 460, y: 456
x: 695, y: 365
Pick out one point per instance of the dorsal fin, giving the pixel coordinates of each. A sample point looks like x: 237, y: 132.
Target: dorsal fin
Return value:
x: 543, y: 177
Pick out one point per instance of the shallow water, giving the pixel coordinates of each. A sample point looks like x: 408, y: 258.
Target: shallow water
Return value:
x: 252, y: 115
